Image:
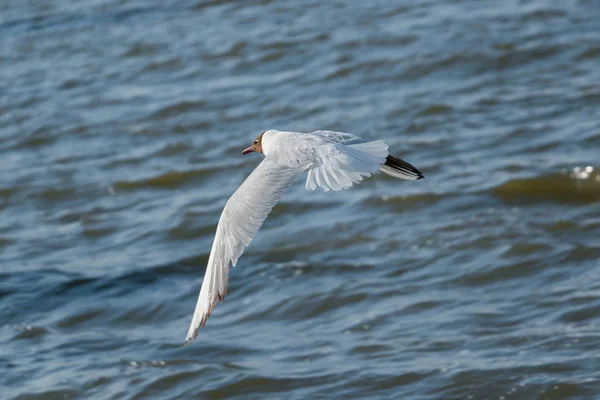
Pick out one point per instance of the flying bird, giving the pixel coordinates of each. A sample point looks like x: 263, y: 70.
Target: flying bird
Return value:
x: 333, y: 160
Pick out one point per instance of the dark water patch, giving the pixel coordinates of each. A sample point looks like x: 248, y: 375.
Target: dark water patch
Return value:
x: 39, y: 22
x: 469, y: 63
x: 63, y: 286
x: 590, y: 53
x: 78, y: 320
x: 555, y: 188
x: 213, y: 3
x: 144, y: 49
x: 557, y: 226
x: 189, y: 229
x: 504, y: 46
x: 65, y: 394
x: 295, y: 309
x: 436, y: 109
x: 543, y: 14
x: 371, y: 65
x: 4, y: 242
x: 180, y: 108
x: 56, y: 194
x: 36, y: 140
x: 581, y: 314
x: 141, y: 315
x: 581, y: 253
x: 491, y: 274
x: 526, y: 248
x: 167, y: 180
x: 390, y: 41
x: 273, y: 56
x: 371, y: 349
x: 421, y: 306
x: 296, y: 43
x: 184, y: 265
x: 263, y: 385
x: 95, y: 233
x: 6, y: 193
x: 30, y: 332
x: 72, y: 84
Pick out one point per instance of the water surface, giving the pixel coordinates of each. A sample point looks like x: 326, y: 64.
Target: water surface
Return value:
x: 121, y: 126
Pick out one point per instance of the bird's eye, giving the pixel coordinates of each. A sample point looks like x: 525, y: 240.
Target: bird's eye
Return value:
x: 256, y: 142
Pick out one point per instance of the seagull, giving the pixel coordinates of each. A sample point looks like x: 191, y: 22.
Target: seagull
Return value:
x: 334, y: 161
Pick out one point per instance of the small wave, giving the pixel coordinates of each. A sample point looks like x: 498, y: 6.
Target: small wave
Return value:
x: 235, y: 50
x: 36, y: 140
x: 543, y: 14
x: 57, y: 193
x: 272, y: 56
x: 30, y: 332
x: 212, y: 3
x: 64, y: 394
x: 166, y: 64
x: 93, y: 233
x: 188, y: 229
x: 173, y: 110
x: 588, y: 312
x: 372, y: 349
x: 296, y: 43
x: 491, y: 274
x: 593, y: 52
x: 265, y: 385
x: 80, y: 318
x: 580, y: 186
x: 167, y: 180
x: 173, y: 149
x: 143, y: 49
x: 436, y: 109
x: 365, y: 66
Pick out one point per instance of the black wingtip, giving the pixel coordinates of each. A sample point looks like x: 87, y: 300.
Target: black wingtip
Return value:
x: 402, y: 166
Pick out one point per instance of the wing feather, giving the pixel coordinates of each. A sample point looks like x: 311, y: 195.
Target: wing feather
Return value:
x: 340, y: 137
x: 393, y: 166
x: 243, y: 215
x: 311, y: 182
x: 340, y: 160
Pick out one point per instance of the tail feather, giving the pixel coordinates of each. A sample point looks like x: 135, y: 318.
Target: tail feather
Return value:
x: 400, y: 169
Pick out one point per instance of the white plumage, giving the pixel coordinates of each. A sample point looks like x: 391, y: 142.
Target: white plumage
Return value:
x: 334, y: 161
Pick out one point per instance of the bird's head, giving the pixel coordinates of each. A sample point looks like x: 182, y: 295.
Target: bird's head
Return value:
x: 256, y: 145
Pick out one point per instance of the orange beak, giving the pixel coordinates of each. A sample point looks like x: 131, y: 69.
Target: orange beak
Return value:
x: 248, y: 150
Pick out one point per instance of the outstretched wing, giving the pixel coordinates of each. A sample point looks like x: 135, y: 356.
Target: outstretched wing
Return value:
x: 242, y: 217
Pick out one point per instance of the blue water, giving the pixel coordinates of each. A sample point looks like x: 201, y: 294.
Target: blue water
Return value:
x: 121, y: 126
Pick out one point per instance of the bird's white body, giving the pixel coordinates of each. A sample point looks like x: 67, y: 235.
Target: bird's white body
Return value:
x: 334, y: 161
